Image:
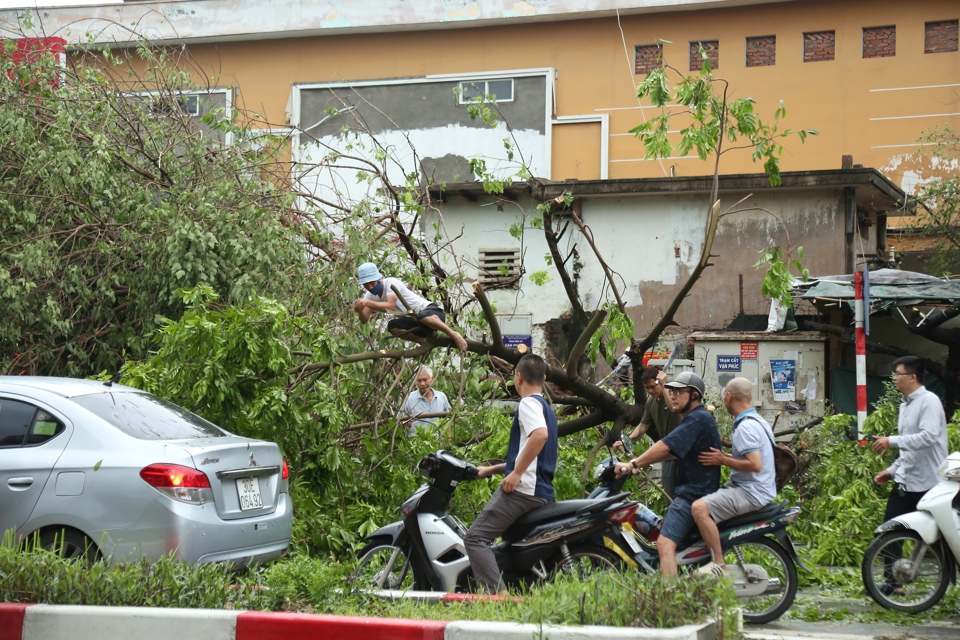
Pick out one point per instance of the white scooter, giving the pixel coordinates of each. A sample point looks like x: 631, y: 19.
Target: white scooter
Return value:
x: 914, y: 557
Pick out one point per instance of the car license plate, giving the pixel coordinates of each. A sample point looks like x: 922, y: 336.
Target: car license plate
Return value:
x: 249, y: 491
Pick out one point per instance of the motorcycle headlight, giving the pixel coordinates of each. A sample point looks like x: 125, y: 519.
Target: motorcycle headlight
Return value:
x: 603, y: 466
x: 428, y: 466
x: 949, y: 468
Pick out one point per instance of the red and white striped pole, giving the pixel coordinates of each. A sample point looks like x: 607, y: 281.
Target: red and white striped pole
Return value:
x: 861, y: 348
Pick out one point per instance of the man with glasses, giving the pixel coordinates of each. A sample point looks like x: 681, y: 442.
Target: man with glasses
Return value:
x: 697, y: 433
x: 922, y: 441
x: 658, y: 416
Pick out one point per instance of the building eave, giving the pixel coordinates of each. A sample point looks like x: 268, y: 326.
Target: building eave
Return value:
x: 200, y: 21
x: 873, y: 190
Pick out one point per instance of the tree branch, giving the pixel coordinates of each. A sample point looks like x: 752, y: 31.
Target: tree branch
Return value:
x: 551, y: 237
x: 595, y: 323
x: 495, y: 335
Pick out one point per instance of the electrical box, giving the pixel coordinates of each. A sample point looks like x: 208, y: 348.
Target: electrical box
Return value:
x: 787, y: 371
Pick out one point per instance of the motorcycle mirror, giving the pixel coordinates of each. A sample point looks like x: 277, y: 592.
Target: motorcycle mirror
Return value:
x: 626, y: 442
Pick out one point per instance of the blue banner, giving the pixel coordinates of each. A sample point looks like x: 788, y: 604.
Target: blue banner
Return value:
x: 728, y: 363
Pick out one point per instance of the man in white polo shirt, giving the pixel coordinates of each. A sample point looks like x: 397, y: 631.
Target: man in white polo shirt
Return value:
x: 380, y: 297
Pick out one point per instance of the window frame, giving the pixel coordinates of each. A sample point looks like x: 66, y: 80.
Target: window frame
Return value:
x: 486, y: 89
x: 31, y: 430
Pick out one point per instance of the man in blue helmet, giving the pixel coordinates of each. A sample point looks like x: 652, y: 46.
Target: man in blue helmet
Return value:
x: 381, y: 296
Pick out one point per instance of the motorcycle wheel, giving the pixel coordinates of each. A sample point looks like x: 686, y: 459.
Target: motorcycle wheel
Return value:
x: 587, y: 560
x: 383, y: 566
x: 899, y: 593
x: 779, y: 566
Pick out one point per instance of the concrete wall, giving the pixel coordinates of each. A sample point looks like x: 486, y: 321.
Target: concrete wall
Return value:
x: 423, y: 126
x: 653, y: 242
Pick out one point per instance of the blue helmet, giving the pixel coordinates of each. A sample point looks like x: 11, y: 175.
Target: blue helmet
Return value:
x: 368, y: 272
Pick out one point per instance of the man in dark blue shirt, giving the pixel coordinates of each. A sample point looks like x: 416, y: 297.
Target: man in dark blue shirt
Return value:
x: 697, y: 433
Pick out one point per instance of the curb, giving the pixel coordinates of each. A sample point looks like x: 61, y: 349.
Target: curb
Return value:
x: 514, y: 631
x: 76, y: 622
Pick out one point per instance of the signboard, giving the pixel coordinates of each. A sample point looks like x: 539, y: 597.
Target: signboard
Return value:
x: 514, y: 341
x: 516, y: 330
x: 749, y: 350
x: 728, y: 363
x: 783, y: 375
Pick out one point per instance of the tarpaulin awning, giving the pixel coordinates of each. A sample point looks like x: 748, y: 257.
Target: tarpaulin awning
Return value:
x: 888, y: 287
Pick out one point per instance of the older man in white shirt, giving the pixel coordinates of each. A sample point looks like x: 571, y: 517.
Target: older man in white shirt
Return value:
x: 424, y: 400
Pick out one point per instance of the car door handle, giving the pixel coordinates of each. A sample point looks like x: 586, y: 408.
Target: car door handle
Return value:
x: 23, y: 482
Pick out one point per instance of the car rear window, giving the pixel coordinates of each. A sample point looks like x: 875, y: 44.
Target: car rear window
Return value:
x: 148, y: 417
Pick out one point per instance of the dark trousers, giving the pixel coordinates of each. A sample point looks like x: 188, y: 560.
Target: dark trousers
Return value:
x: 501, y: 511
x: 898, y: 504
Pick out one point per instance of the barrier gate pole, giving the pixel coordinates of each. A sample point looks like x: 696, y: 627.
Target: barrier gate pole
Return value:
x: 861, y: 349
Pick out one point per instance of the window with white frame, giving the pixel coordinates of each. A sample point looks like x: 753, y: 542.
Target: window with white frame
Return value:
x: 501, y: 89
x: 499, y: 268
x: 189, y: 104
x: 162, y: 105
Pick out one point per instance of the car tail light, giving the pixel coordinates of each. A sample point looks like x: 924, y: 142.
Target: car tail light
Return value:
x: 623, y: 515
x: 285, y: 478
x: 180, y: 483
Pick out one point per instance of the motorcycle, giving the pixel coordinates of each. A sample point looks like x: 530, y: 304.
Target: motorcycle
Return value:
x: 760, y: 556
x: 424, y: 549
x: 914, y: 557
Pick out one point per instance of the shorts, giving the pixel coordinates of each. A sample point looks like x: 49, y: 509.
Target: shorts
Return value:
x: 730, y: 502
x: 678, y: 522
x: 406, y: 323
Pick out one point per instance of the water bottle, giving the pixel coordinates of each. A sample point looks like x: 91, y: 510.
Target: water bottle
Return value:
x: 647, y: 523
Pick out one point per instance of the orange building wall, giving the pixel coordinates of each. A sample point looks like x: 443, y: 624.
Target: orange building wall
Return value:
x: 594, y: 75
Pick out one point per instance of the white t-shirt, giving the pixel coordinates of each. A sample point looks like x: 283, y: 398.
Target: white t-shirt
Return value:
x: 419, y: 303
x: 530, y: 418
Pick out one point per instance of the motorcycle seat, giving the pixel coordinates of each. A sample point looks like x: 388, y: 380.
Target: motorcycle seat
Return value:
x: 768, y: 511
x: 553, y: 510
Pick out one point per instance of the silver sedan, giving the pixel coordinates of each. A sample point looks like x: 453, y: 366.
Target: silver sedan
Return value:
x: 104, y: 470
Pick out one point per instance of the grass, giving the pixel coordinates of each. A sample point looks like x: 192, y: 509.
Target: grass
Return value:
x: 312, y: 585
x: 304, y: 584
x: 629, y: 600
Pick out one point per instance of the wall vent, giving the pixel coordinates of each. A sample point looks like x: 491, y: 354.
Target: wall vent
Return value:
x: 499, y: 268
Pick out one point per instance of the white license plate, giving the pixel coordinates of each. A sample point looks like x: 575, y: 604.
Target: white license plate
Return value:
x: 628, y: 535
x: 249, y: 491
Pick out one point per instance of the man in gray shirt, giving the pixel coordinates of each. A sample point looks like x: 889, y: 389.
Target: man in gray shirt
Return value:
x: 753, y: 482
x: 921, y: 438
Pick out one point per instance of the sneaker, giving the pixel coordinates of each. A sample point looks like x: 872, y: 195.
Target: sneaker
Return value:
x: 713, y: 569
x: 888, y: 589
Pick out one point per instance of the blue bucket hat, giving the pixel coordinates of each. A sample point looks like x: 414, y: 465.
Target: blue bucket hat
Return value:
x: 368, y: 272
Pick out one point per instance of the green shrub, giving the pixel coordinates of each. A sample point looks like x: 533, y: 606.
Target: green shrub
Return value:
x: 628, y: 600
x: 39, y: 576
x: 841, y: 505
